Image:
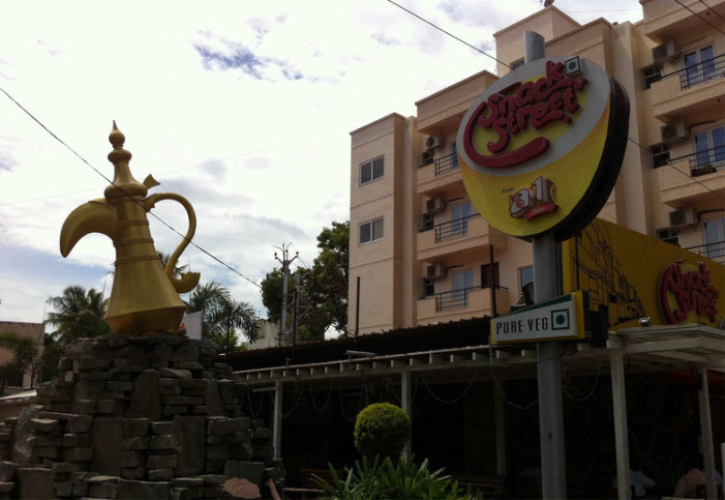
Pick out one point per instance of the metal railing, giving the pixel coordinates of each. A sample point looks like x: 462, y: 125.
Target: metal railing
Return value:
x: 457, y: 298
x: 452, y: 228
x: 707, y: 161
x: 709, y: 250
x: 443, y: 164
x: 701, y: 72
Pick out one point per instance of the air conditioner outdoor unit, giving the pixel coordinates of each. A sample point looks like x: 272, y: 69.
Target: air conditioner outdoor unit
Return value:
x: 434, y: 271
x: 674, y: 132
x: 428, y: 157
x: 682, y: 218
x: 434, y: 205
x: 434, y: 141
x: 665, y: 52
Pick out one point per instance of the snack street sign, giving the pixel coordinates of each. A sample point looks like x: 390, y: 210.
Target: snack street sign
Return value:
x: 561, y: 318
x: 541, y: 149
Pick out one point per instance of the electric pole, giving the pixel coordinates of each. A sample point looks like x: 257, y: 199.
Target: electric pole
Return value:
x: 285, y: 261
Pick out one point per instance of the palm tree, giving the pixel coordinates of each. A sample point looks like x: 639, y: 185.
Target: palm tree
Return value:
x: 165, y: 257
x: 26, y: 354
x: 224, y: 318
x: 79, y: 313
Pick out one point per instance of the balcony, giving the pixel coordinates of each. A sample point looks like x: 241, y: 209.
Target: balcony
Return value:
x: 665, y: 19
x: 696, y: 180
x: 439, y: 176
x: 461, y: 304
x: 468, y: 234
x: 714, y: 251
x: 686, y: 94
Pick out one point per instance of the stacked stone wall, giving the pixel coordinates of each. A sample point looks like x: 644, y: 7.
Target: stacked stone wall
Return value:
x: 136, y: 417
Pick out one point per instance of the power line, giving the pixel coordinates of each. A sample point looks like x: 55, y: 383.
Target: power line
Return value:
x: 712, y: 10
x: 448, y: 33
x: 123, y: 191
x: 669, y: 164
x: 635, y: 142
x: 698, y: 15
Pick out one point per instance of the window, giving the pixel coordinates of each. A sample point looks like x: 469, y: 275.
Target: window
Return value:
x: 710, y: 148
x: 371, y: 170
x: 651, y: 75
x: 526, y: 276
x: 429, y: 287
x: 371, y: 231
x: 715, y: 238
x: 428, y: 221
x: 660, y: 154
x: 459, y: 218
x: 454, y: 155
x: 517, y: 64
x: 489, y: 275
x: 700, y: 65
x: 669, y: 236
x: 462, y: 282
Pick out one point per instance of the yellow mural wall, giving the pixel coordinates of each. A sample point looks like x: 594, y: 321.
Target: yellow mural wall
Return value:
x: 632, y: 276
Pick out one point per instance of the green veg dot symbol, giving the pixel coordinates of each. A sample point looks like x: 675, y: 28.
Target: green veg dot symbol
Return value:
x: 560, y: 319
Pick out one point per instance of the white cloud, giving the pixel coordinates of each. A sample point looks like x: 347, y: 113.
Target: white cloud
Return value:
x: 255, y: 134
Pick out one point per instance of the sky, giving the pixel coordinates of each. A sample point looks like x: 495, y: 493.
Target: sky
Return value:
x: 244, y: 108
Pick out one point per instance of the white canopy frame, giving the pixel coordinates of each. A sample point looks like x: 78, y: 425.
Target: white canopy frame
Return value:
x: 646, y: 349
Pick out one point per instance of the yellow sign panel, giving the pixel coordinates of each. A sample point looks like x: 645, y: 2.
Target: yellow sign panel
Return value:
x: 532, y: 147
x: 629, y: 276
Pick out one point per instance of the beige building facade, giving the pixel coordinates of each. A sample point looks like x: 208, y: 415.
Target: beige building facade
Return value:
x: 421, y: 251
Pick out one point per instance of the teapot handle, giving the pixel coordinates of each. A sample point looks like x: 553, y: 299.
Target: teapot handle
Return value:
x: 187, y: 281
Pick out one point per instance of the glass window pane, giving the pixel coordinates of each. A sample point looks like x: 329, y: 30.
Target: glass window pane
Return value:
x: 377, y: 229
x: 718, y: 144
x: 468, y: 278
x: 378, y: 168
x: 526, y: 276
x: 454, y: 152
x: 707, y: 63
x: 714, y: 247
x: 692, y: 68
x: 702, y: 147
x: 365, y: 232
x: 365, y: 173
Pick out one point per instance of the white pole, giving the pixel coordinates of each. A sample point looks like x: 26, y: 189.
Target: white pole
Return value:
x: 619, y: 414
x: 277, y: 419
x: 708, y: 448
x: 551, y: 404
x: 406, y: 403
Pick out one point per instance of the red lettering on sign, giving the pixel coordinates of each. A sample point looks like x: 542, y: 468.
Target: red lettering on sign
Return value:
x: 693, y: 291
x: 551, y: 98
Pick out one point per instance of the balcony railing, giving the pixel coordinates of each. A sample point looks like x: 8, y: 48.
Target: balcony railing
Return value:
x: 456, y: 298
x: 709, y: 250
x: 452, y: 228
x: 443, y: 164
x: 701, y: 72
x: 703, y: 162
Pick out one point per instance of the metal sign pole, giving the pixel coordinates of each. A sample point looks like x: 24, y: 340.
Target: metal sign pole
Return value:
x: 551, y: 410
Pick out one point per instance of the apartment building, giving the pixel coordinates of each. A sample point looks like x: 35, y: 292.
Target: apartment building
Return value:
x: 422, y: 253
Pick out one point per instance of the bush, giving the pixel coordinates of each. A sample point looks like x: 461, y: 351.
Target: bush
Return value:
x: 385, y: 479
x: 382, y: 429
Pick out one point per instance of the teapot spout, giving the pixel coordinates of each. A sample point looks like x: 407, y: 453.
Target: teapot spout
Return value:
x: 96, y: 216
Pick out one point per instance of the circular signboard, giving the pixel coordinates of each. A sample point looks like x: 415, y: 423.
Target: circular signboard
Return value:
x: 541, y: 149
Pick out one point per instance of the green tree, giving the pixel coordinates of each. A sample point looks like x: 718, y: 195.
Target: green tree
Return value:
x: 323, y: 287
x: 78, y: 314
x: 26, y: 354
x: 224, y: 318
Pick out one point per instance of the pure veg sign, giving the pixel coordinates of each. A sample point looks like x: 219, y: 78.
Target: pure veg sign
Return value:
x: 541, y: 149
x: 557, y: 319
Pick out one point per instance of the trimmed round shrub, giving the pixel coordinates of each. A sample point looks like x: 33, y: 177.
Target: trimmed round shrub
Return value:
x: 382, y: 429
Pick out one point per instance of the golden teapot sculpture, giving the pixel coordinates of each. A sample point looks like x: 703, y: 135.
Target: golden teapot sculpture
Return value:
x: 145, y: 296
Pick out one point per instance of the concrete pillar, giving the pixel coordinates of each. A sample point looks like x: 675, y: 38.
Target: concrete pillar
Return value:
x: 406, y: 404
x: 708, y: 447
x: 500, y: 425
x: 277, y: 419
x: 619, y: 410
